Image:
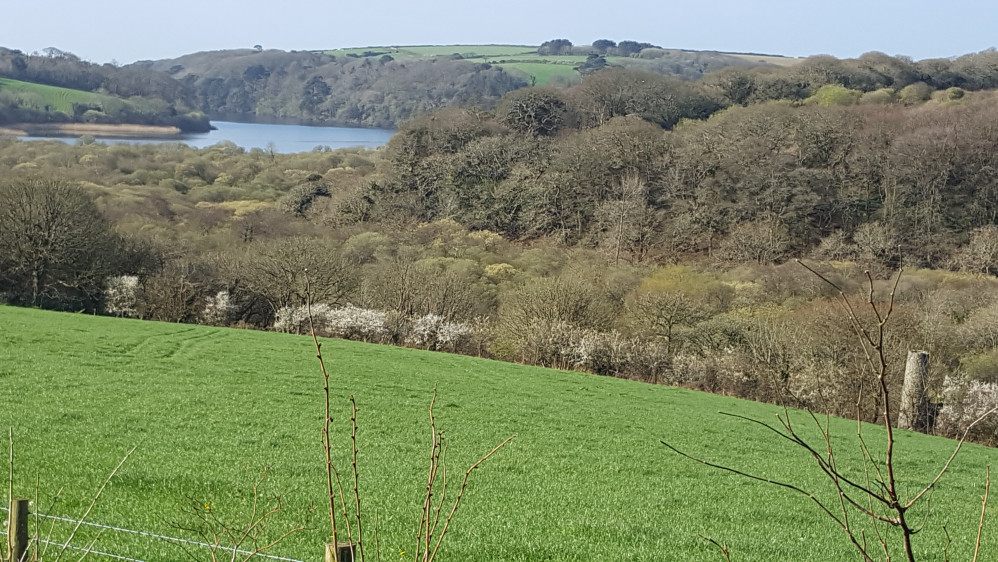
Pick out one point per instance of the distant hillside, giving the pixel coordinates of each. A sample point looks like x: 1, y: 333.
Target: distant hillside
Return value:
x: 371, y: 91
x: 384, y: 86
x: 539, y: 66
x: 61, y: 88
x: 28, y: 102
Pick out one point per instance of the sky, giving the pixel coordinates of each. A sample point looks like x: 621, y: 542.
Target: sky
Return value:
x: 126, y: 31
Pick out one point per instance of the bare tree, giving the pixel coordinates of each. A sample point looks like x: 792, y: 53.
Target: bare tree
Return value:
x: 56, y: 248
x: 276, y: 271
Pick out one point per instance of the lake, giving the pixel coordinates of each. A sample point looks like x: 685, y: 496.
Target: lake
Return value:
x: 282, y: 138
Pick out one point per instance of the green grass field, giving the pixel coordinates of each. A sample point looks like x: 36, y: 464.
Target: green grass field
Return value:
x: 59, y: 99
x: 426, y: 51
x: 586, y: 478
x: 42, y: 97
x: 540, y: 73
x: 522, y: 60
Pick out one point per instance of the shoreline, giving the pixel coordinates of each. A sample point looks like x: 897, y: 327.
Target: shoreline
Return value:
x: 93, y: 129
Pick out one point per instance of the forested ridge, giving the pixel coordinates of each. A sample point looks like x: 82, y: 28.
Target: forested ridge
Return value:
x: 630, y: 225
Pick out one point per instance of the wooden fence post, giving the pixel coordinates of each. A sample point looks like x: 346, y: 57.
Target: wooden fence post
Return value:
x: 340, y: 552
x: 18, y: 529
x: 914, y: 409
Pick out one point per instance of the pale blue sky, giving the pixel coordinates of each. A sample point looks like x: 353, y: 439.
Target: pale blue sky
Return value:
x: 134, y: 30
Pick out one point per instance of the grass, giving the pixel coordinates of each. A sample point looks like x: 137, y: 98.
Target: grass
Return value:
x: 426, y: 51
x: 522, y: 60
x: 585, y: 480
x: 59, y: 99
x: 47, y: 98
x: 539, y: 73
x: 53, y: 99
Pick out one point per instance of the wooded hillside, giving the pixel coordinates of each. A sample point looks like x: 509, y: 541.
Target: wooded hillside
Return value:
x: 314, y: 87
x: 61, y: 88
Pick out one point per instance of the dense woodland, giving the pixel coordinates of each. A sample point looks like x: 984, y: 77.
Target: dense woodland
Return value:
x: 630, y: 225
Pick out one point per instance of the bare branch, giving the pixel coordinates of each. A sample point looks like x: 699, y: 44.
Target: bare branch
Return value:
x: 460, y: 493
x: 93, y: 503
x: 984, y: 508
x: 722, y: 547
x: 327, y: 419
x: 758, y: 478
x: 951, y: 457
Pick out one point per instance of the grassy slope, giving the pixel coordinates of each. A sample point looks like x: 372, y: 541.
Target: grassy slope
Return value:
x: 58, y: 99
x: 585, y: 480
x: 522, y: 60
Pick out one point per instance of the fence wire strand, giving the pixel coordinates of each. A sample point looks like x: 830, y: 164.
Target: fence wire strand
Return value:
x: 147, y: 534
x: 86, y: 550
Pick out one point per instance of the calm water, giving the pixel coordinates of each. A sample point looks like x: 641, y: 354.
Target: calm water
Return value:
x: 283, y: 138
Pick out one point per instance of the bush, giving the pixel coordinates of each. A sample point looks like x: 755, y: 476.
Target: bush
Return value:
x: 561, y: 345
x: 121, y: 296
x: 835, y: 94
x: 434, y: 332
x: 964, y: 402
x: 916, y: 93
x: 348, y: 322
x: 217, y: 309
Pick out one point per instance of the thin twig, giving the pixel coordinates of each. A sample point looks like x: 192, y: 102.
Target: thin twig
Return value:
x: 343, y: 506
x: 356, y: 477
x: 86, y: 550
x: 422, y: 541
x: 460, y: 492
x: 946, y: 546
x: 48, y: 536
x: 327, y: 419
x: 442, y: 471
x: 953, y: 456
x: 10, y: 492
x: 377, y: 537
x: 93, y: 503
x: 754, y: 477
x: 984, y: 508
x: 722, y: 547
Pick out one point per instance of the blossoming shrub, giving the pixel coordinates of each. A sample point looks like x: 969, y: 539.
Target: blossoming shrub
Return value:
x: 433, y: 331
x: 217, y: 309
x: 294, y: 319
x: 121, y: 296
x: 964, y: 401
x: 348, y: 322
x: 355, y: 323
x: 561, y: 345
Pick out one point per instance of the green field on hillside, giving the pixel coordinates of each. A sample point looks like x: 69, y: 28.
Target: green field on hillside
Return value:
x: 52, y: 98
x: 59, y: 99
x: 521, y: 60
x: 540, y: 73
x: 586, y: 478
x: 425, y: 51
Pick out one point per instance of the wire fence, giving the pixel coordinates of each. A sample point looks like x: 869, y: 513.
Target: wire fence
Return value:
x: 144, y: 534
x: 85, y: 550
